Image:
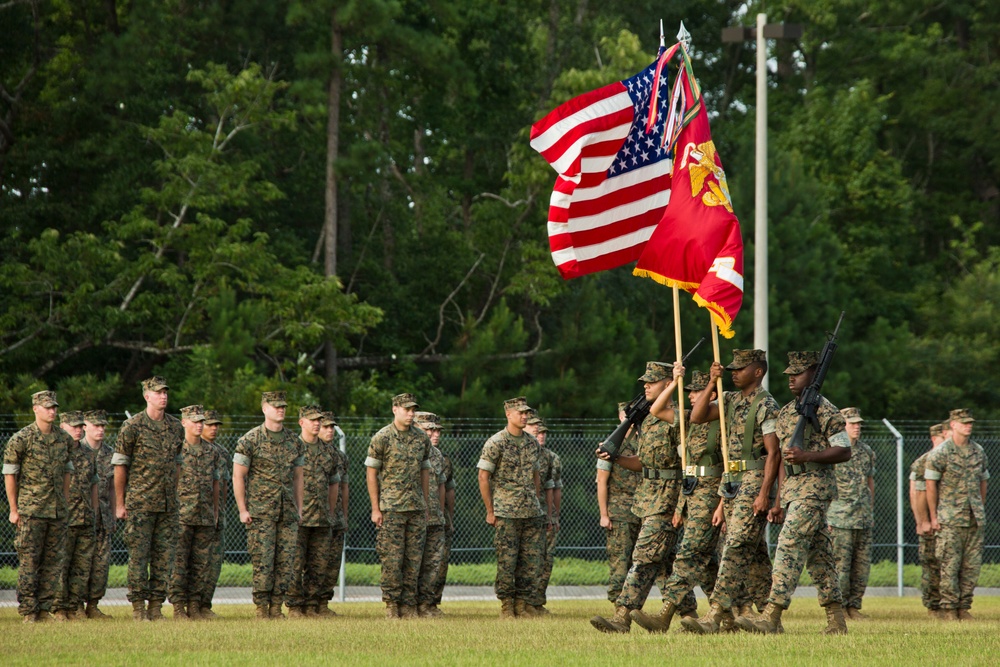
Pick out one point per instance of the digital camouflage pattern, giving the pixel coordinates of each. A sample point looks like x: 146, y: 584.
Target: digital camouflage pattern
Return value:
x: 650, y: 558
x: 930, y: 571
x: 199, y: 473
x: 449, y: 533
x: 806, y: 498
x: 40, y: 462
x: 81, y: 484
x: 657, y: 449
x: 399, y: 544
x: 81, y: 537
x: 693, y: 565
x: 744, y: 575
x: 435, y: 509
x: 319, y: 473
x: 339, y: 520
x: 217, y: 554
x: 852, y: 551
x: 512, y: 462
x: 546, y: 461
x: 854, y: 506
x: 271, y: 458
x: 192, y: 563
x: 151, y: 539
x: 399, y: 456
x: 337, y: 539
x: 520, y: 544
x: 738, y: 410
x: 917, y: 470
x: 97, y: 577
x: 312, y: 566
x: 150, y: 450
x: 39, y: 543
x: 272, y: 545
x: 430, y: 564
x: 622, y: 484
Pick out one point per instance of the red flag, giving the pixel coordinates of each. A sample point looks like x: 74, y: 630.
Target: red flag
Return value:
x: 697, y: 245
x: 614, y: 178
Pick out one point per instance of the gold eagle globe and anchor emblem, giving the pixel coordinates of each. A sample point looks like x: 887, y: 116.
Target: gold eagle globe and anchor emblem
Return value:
x: 700, y: 162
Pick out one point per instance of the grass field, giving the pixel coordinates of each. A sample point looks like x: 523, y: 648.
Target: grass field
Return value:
x: 899, y: 633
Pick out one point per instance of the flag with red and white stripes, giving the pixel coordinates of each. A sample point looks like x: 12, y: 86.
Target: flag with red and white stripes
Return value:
x: 614, y: 178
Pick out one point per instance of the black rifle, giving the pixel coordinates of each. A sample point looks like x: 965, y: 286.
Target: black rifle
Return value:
x: 635, y: 413
x: 808, y: 401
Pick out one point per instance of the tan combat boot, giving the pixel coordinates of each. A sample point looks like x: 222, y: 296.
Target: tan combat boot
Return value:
x: 433, y: 611
x: 30, y: 618
x: 139, y: 611
x: 93, y: 612
x: 262, y: 612
x: 766, y: 623
x: 659, y: 622
x: 540, y: 610
x: 275, y: 613
x: 296, y: 612
x: 423, y: 610
x: 965, y: 615
x: 323, y: 611
x: 718, y: 618
x: 836, y: 624
x: 407, y: 611
x: 206, y: 614
x: 60, y: 616
x: 194, y: 610
x: 621, y: 623
x: 948, y: 614
x: 391, y: 610
x: 522, y: 608
x: 507, y: 609
x: 154, y: 611
x: 180, y: 612
x: 855, y: 614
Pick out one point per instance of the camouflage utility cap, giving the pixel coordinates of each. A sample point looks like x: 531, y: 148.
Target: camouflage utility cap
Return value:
x: 852, y: 415
x: 937, y: 429
x: 212, y: 417
x: 155, y: 383
x: 656, y: 371
x: 328, y: 419
x: 274, y: 398
x: 533, y: 417
x: 46, y: 399
x: 519, y: 403
x: 427, y: 420
x: 96, y: 417
x: 623, y: 406
x: 743, y: 358
x: 542, y: 428
x: 310, y: 412
x: 961, y: 415
x: 71, y: 418
x: 193, y: 413
x: 698, y: 381
x: 800, y: 362
x: 405, y: 401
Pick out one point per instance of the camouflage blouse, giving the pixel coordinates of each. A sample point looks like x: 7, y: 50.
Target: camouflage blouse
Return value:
x: 512, y: 461
x: 658, y: 444
x: 40, y: 463
x: 151, y: 450
x: 958, y: 472
x: 200, y: 465
x: 81, y: 482
x: 853, y: 507
x: 818, y: 484
x: 622, y: 484
x: 271, y: 457
x: 400, y: 456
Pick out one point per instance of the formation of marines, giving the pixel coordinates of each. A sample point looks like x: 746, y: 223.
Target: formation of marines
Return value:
x: 703, y: 525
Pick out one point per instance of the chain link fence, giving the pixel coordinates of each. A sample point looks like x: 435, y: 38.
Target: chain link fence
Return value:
x: 580, y: 554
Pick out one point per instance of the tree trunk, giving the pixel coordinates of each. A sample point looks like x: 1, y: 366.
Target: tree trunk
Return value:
x: 332, y: 150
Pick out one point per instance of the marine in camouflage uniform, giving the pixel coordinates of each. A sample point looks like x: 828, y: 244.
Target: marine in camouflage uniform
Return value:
x: 37, y: 465
x: 268, y: 487
x: 81, y: 538
x: 956, y: 477
x: 551, y: 505
x: 217, y: 554
x: 398, y: 480
x: 327, y: 430
x: 321, y: 483
x: 198, y: 511
x: 852, y: 516
x: 147, y: 459
x: 696, y: 563
x: 434, y: 433
x: 930, y: 578
x: 744, y: 573
x: 509, y: 485
x: 95, y: 423
x: 430, y: 563
x: 807, y: 485
x: 655, y: 501
x: 615, y: 494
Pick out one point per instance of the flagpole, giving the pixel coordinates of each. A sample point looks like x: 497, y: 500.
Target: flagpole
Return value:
x: 680, y: 385
x: 722, y: 403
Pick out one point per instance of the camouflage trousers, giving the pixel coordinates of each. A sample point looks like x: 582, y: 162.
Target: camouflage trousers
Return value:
x: 40, y: 545
x: 150, y: 538
x: 272, y: 545
x: 852, y: 549
x: 97, y: 577
x: 192, y: 563
x: 336, y: 552
x: 312, y: 567
x: 548, y: 560
x: 804, y: 541
x: 745, y: 566
x: 400, y: 548
x: 960, y: 554
x: 81, y: 542
x: 430, y: 564
x: 696, y: 563
x: 215, y: 558
x: 651, y: 558
x: 520, y: 547
x: 930, y: 578
x: 449, y: 536
x: 620, y: 543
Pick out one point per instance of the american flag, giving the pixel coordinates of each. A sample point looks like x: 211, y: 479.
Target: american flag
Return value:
x: 614, y: 178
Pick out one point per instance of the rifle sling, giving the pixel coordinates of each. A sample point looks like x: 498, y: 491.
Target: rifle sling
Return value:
x: 748, y: 426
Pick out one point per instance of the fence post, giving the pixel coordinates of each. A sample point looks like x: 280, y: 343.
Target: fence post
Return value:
x: 899, y: 506
x: 343, y: 552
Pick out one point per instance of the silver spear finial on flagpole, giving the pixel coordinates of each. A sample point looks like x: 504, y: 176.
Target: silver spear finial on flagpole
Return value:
x: 684, y: 37
x: 663, y: 38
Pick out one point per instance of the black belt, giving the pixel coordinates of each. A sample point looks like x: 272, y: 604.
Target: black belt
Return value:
x: 799, y: 468
x: 659, y: 473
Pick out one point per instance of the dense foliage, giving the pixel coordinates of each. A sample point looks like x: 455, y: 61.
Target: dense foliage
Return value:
x: 337, y: 197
